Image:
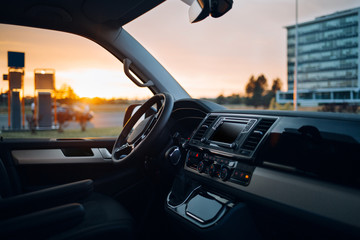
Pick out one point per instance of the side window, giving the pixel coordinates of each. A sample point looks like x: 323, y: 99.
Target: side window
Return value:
x: 59, y: 85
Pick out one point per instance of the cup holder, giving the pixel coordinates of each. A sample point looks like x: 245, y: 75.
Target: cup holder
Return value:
x: 200, y: 207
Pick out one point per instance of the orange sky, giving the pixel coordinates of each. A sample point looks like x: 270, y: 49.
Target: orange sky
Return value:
x: 85, y: 66
x: 248, y: 40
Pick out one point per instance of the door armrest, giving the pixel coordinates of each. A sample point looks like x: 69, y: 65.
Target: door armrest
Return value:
x: 43, y: 223
x: 46, y: 198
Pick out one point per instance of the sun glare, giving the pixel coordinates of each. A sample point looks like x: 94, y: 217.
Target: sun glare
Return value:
x: 101, y: 83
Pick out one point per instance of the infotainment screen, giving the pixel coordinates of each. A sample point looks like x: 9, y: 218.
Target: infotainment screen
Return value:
x: 227, y: 132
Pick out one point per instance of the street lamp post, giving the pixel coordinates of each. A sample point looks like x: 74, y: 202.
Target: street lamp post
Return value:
x: 295, y: 95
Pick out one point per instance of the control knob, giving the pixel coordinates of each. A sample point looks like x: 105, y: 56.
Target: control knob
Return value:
x: 224, y: 173
x: 173, y: 154
x: 213, y: 170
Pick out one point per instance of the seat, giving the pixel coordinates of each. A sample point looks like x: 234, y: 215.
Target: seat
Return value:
x: 104, y: 218
x: 69, y: 211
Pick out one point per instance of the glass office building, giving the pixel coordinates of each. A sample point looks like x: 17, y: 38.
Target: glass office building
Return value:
x: 328, y: 60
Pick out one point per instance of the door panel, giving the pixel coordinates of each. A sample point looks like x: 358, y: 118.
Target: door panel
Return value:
x: 61, y: 156
x: 46, y: 162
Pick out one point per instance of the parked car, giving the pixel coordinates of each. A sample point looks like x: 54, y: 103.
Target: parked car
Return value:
x: 80, y: 114
x: 190, y: 170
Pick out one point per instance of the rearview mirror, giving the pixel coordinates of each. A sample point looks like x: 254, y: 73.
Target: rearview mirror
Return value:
x: 201, y: 9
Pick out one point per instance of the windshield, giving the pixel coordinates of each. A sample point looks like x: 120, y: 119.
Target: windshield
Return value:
x: 246, y: 58
x: 259, y: 55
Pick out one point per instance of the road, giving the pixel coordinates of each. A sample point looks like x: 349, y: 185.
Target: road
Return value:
x: 107, y: 119
x: 100, y: 120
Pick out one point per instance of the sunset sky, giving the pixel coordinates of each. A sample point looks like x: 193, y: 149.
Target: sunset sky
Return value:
x: 249, y: 40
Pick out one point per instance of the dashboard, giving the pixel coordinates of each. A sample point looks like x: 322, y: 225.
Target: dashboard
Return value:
x: 222, y: 141
x: 300, y: 165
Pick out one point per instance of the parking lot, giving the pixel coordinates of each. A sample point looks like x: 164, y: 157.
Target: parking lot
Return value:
x: 100, y: 120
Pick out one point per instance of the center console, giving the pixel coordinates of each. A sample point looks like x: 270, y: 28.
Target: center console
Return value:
x: 201, y: 207
x: 235, y: 163
x: 221, y: 149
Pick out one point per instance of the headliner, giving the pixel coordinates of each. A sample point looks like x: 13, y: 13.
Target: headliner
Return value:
x: 82, y: 17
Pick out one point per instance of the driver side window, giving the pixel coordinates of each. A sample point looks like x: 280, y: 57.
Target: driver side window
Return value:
x: 67, y: 86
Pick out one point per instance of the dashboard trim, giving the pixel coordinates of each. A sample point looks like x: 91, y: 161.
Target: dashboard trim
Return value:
x: 316, y: 197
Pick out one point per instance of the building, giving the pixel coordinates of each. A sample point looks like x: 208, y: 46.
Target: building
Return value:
x: 328, y: 60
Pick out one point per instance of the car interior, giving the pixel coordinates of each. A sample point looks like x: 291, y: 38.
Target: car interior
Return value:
x: 189, y: 169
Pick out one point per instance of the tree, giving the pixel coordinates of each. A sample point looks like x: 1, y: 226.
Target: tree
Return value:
x: 250, y: 86
x: 220, y: 99
x: 277, y: 84
x: 66, y: 94
x: 255, y: 89
x: 234, y: 99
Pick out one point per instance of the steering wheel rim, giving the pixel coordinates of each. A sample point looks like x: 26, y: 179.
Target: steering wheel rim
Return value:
x: 129, y: 144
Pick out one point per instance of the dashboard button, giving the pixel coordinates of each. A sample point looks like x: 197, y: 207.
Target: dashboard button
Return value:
x: 236, y: 174
x: 201, y: 167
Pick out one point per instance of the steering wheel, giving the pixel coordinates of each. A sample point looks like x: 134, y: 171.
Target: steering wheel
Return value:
x: 133, y: 142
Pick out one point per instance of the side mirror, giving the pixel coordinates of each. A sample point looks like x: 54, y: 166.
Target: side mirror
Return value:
x: 201, y: 9
x: 130, y: 110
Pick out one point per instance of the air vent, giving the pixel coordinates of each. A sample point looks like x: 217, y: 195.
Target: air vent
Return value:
x: 204, y: 126
x: 257, y: 134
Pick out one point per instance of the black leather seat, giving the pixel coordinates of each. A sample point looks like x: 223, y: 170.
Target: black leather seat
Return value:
x: 70, y: 211
x: 104, y: 219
